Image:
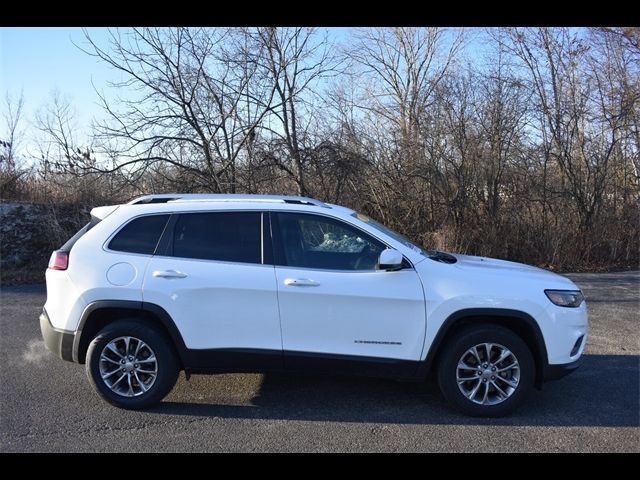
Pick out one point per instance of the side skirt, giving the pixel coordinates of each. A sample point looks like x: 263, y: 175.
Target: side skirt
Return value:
x: 260, y: 361
x: 351, y: 365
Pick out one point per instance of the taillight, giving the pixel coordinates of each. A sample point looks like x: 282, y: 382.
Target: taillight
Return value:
x: 59, y: 260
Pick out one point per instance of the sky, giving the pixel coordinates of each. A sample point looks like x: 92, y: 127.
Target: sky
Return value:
x: 39, y: 60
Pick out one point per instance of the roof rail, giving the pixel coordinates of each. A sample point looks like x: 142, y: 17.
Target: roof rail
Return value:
x: 223, y: 197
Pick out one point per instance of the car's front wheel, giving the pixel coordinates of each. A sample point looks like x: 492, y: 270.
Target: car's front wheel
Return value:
x: 486, y: 370
x: 131, y: 365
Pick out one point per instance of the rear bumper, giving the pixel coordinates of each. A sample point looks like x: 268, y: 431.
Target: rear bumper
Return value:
x: 557, y: 371
x: 58, y: 341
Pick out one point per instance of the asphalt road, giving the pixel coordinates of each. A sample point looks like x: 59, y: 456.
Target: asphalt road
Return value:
x: 47, y: 404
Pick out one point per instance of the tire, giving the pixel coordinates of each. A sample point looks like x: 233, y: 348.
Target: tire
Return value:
x: 150, y: 389
x: 496, y: 402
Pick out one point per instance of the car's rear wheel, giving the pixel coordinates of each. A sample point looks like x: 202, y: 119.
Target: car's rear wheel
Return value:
x: 131, y: 365
x: 486, y: 370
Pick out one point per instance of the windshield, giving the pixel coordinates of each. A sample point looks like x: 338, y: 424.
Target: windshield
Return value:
x: 387, y: 231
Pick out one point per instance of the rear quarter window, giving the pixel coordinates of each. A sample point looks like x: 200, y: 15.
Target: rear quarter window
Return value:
x: 140, y: 235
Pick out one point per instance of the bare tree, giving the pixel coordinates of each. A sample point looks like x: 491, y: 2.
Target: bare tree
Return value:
x: 626, y: 37
x: 552, y: 57
x: 194, y: 113
x: 295, y: 61
x: 66, y: 167
x: 405, y: 66
x: 60, y: 150
x: 12, y: 134
x: 400, y: 70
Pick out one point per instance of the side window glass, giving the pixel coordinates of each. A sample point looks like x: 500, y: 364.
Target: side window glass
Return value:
x: 314, y: 241
x: 140, y: 235
x: 225, y: 236
x: 319, y: 236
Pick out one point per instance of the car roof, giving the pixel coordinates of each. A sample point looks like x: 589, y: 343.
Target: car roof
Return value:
x: 174, y: 202
x: 223, y: 197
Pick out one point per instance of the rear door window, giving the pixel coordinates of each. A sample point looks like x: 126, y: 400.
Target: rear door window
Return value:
x: 223, y: 236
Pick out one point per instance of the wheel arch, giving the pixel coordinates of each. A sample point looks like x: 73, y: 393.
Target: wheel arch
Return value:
x: 101, y: 313
x: 519, y: 322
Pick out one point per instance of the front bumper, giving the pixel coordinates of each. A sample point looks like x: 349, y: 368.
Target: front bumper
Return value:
x: 59, y: 342
x: 562, y: 327
x: 557, y: 371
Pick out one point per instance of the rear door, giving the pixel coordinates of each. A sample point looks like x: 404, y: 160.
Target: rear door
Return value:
x: 214, y: 280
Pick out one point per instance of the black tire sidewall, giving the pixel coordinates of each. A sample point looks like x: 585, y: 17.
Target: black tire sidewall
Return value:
x: 167, y: 363
x: 466, y: 339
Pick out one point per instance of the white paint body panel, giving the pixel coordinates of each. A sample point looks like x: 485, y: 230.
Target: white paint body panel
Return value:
x: 347, y: 312
x: 218, y: 304
x: 490, y: 283
x: 85, y: 280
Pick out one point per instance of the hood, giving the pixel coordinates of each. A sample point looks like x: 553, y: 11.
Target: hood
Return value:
x: 473, y: 265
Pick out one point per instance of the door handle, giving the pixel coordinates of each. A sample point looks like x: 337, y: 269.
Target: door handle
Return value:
x: 301, y: 282
x: 169, y: 274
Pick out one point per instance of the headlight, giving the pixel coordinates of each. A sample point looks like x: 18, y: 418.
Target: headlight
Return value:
x: 565, y: 298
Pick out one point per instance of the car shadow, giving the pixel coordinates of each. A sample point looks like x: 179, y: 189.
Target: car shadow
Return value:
x: 604, y: 391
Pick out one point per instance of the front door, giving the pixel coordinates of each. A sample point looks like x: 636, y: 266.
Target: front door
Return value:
x: 337, y: 310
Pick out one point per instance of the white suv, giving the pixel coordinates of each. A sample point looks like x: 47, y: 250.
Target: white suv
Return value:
x: 255, y: 283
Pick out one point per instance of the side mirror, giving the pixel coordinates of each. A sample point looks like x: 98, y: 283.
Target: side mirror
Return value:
x: 390, y: 259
